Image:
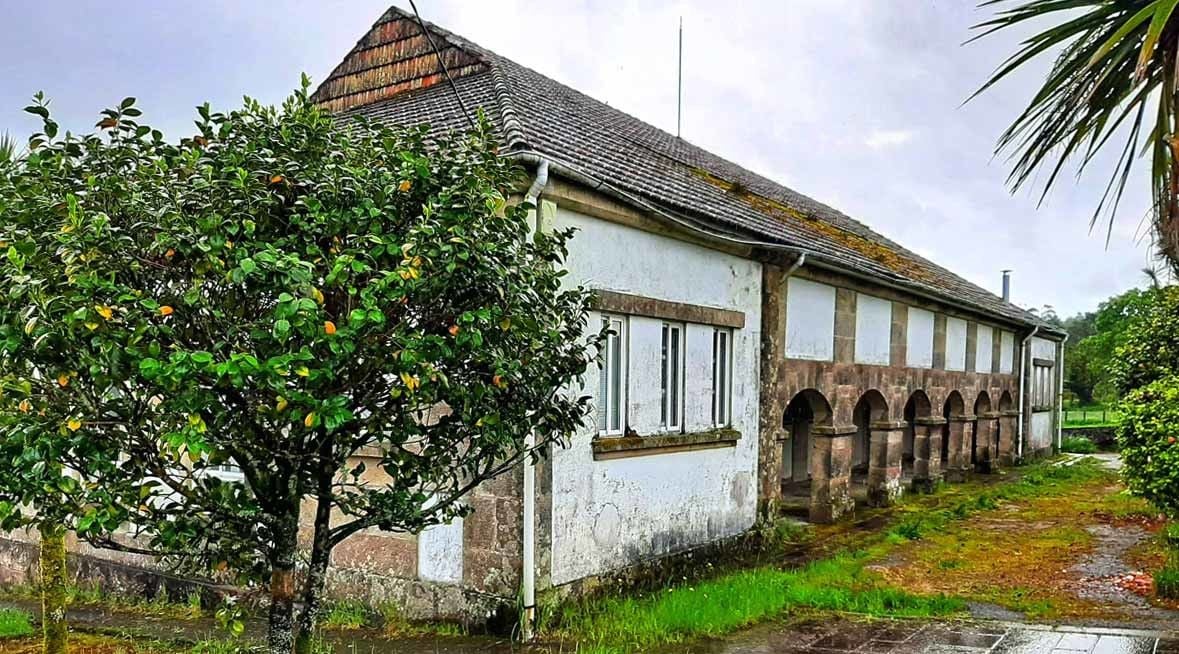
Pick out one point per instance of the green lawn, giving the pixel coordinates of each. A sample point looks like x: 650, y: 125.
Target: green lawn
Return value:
x: 15, y: 623
x: 1091, y: 416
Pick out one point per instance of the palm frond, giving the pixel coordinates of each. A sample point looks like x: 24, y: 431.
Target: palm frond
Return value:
x: 1115, y: 60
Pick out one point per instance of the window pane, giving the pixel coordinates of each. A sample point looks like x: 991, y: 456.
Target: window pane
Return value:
x: 674, y: 409
x: 715, y: 338
x: 723, y: 412
x: 616, y: 379
x: 663, y: 389
x: 603, y: 380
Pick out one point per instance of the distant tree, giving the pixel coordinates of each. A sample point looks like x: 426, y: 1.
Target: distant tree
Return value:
x: 1094, y: 339
x: 1114, y: 71
x: 353, y: 316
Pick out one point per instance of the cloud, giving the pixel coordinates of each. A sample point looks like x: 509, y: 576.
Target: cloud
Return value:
x: 888, y: 138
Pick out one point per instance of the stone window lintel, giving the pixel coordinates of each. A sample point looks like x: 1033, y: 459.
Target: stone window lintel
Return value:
x: 631, y: 446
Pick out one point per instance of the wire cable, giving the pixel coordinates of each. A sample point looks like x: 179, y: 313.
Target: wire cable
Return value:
x: 442, y: 64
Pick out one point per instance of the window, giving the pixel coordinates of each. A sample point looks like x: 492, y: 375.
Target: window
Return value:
x: 1042, y: 391
x: 672, y: 376
x: 721, y: 347
x: 612, y: 382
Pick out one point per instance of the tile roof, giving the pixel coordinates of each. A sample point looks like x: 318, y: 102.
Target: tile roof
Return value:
x: 392, y: 75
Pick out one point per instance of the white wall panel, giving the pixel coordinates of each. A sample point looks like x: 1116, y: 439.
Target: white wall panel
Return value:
x: 1006, y: 352
x: 810, y: 320
x: 919, y: 339
x: 984, y: 348
x: 955, y: 344
x: 873, y: 330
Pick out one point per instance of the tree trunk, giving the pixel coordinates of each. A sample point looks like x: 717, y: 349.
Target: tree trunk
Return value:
x: 54, y: 589
x: 281, y: 628
x: 321, y: 552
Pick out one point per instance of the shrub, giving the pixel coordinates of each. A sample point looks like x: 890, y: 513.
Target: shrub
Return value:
x: 1166, y: 581
x: 1078, y: 445
x: 1149, y: 440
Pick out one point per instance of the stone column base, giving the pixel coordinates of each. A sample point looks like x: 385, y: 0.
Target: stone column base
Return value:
x: 831, y: 451
x: 884, y: 463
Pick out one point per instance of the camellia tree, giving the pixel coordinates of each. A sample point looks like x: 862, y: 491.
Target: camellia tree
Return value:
x: 353, y: 316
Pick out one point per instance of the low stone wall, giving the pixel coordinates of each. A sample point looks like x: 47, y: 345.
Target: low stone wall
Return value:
x: 1104, y: 438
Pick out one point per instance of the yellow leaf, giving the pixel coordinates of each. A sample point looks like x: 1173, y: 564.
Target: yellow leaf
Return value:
x: 74, y: 424
x: 302, y: 371
x: 281, y: 405
x: 405, y: 185
x: 505, y: 324
x: 228, y: 245
x: 63, y: 380
x: 317, y: 295
x: 309, y: 420
x: 24, y: 406
x: 91, y: 326
x: 411, y: 381
x: 66, y: 229
x: 197, y: 422
x: 166, y: 310
x: 329, y: 327
x: 106, y: 312
x: 170, y: 253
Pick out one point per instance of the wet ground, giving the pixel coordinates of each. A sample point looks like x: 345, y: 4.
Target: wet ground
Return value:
x: 907, y: 637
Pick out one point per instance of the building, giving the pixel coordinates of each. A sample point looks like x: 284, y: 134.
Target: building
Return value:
x: 768, y: 354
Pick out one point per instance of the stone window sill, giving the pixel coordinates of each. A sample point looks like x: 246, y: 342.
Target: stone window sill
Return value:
x: 632, y: 446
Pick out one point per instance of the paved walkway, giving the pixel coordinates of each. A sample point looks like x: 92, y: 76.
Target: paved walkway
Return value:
x: 919, y: 637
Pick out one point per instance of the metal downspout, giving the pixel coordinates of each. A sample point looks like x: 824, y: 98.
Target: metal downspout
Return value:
x: 1060, y: 398
x: 528, y: 564
x: 1023, y: 370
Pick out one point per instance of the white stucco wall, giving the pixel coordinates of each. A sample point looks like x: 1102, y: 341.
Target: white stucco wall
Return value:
x: 810, y: 320
x: 1006, y: 352
x: 919, y: 338
x: 609, y: 514
x: 873, y: 329
x: 955, y: 344
x: 440, y: 553
x: 984, y: 344
x: 1043, y: 348
x: 1042, y: 434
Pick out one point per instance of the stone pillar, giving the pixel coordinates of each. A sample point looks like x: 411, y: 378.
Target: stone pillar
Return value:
x: 884, y: 462
x: 1008, y: 426
x: 967, y: 442
x: 927, y: 453
x: 831, y: 450
x: 985, y: 447
x: 772, y: 403
x: 955, y: 471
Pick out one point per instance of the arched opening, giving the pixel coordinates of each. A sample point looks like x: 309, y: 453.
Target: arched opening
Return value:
x: 980, y: 437
x: 1005, y: 430
x: 806, y: 410
x: 953, y: 408
x: 918, y: 406
x: 869, y: 409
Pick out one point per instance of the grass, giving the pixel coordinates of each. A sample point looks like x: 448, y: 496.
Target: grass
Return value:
x: 93, y: 595
x: 848, y: 580
x: 15, y: 623
x: 1091, y: 416
x: 347, y: 614
x: 1078, y: 445
x: 722, y: 605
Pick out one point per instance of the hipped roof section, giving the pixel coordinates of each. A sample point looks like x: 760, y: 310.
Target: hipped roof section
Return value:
x: 392, y: 75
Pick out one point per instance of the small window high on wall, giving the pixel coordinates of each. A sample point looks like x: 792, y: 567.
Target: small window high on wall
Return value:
x: 672, y: 376
x: 721, y: 377
x: 612, y: 381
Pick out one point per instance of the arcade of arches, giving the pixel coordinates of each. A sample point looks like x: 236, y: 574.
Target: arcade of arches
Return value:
x: 883, y: 448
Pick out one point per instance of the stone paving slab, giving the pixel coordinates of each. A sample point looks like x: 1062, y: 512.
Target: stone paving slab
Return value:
x: 915, y: 637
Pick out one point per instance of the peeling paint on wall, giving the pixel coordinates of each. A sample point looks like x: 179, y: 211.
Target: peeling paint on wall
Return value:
x: 609, y: 514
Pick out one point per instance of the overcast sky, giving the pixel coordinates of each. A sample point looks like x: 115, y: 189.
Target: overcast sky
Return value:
x: 856, y: 103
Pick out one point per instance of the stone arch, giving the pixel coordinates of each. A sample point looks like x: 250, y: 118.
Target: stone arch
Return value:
x: 918, y: 406
x: 807, y: 409
x: 1006, y: 403
x: 1005, y: 430
x: 980, y: 434
x: 870, y: 408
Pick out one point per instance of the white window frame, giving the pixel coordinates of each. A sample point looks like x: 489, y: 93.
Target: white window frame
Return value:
x: 722, y: 377
x: 614, y: 360
x: 671, y: 376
